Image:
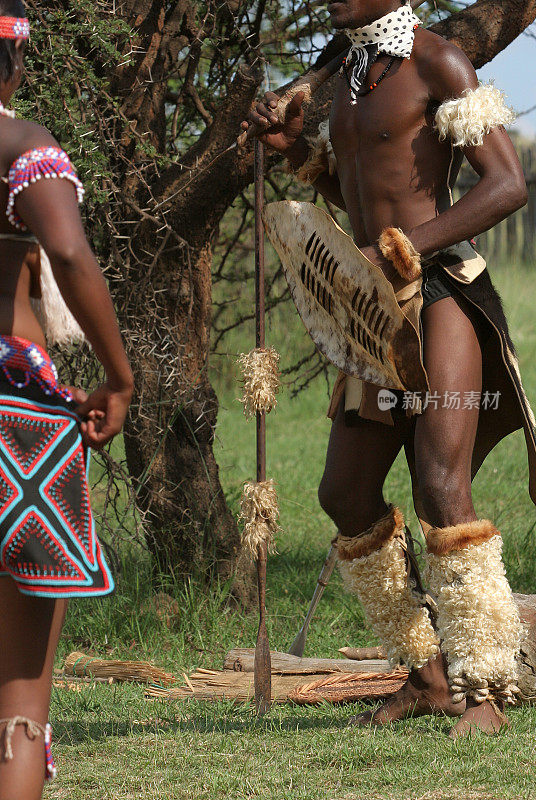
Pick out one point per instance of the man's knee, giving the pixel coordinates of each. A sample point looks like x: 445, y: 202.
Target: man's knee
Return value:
x: 330, y: 497
x: 445, y: 495
x: 352, y: 508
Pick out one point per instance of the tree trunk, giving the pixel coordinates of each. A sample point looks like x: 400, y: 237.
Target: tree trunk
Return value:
x: 169, y: 432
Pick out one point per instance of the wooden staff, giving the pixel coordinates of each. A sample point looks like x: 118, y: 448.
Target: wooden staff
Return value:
x: 262, y: 665
x: 298, y: 645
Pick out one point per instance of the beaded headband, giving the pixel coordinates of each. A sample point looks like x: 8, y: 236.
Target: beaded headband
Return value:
x: 14, y: 28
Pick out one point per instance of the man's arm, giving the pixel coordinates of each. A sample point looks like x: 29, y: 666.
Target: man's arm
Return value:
x: 501, y: 187
x: 287, y: 139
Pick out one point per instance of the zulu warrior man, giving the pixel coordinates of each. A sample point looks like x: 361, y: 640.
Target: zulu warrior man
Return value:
x: 407, y: 107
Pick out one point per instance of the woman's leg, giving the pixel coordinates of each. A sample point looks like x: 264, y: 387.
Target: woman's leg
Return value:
x: 29, y: 632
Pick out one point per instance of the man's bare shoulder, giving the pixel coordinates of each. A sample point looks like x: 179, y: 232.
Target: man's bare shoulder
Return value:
x: 443, y: 66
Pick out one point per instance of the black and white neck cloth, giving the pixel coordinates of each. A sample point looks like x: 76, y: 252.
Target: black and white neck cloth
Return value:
x: 392, y: 34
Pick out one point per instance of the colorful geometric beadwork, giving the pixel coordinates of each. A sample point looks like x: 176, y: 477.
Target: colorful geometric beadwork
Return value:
x: 31, y: 552
x: 24, y: 362
x: 68, y: 495
x: 14, y: 28
x: 47, y: 533
x: 32, y: 166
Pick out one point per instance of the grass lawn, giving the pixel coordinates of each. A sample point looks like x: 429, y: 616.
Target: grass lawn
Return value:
x: 112, y: 743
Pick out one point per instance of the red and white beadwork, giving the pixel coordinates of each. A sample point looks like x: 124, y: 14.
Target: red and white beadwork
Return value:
x: 50, y: 766
x: 14, y: 28
x: 32, y: 166
x: 31, y: 363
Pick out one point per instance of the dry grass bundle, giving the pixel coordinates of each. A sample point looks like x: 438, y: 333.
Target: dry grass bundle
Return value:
x: 338, y: 687
x: 205, y: 684
x: 82, y: 665
x: 349, y: 688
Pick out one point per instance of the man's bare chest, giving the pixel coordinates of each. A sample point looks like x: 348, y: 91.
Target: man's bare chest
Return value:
x: 396, y: 108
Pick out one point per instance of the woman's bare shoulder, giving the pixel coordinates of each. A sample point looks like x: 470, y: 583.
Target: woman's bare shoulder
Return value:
x: 21, y: 135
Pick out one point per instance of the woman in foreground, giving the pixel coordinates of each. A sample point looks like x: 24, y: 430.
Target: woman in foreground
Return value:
x: 48, y: 548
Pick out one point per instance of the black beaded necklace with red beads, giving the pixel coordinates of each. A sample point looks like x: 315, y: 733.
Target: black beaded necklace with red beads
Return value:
x: 378, y: 80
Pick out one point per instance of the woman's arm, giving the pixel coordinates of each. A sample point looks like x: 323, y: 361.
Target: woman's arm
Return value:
x: 49, y: 209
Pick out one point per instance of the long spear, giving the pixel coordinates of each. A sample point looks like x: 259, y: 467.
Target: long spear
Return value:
x: 262, y: 665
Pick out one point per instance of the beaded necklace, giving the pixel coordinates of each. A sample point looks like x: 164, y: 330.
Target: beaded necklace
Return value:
x: 372, y: 86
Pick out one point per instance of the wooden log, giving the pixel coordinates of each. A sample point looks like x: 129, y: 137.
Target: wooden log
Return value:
x: 527, y: 658
x: 241, y: 660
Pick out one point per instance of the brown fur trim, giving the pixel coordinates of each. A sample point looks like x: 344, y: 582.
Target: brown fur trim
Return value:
x: 317, y: 162
x: 443, y: 540
x: 397, y: 248
x: 385, y: 529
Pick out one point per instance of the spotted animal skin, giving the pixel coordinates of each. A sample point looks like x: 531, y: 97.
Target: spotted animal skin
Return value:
x: 347, y: 305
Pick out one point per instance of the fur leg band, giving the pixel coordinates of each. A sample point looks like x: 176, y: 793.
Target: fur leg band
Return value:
x: 374, y: 567
x: 477, y: 618
x: 397, y: 248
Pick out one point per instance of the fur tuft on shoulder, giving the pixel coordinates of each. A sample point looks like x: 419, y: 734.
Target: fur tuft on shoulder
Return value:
x: 321, y: 157
x: 467, y: 119
x: 385, y: 529
x: 397, y: 248
x: 445, y: 540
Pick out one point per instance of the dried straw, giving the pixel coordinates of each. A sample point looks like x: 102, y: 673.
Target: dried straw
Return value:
x: 261, y: 380
x: 259, y: 511
x: 82, y: 665
x: 349, y: 688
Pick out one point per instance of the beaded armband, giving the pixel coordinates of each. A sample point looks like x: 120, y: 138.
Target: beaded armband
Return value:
x: 23, y: 362
x: 467, y: 119
x: 321, y: 157
x: 32, y: 166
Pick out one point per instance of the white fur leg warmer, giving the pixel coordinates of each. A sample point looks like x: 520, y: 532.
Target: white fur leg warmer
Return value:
x: 477, y: 617
x: 373, y: 566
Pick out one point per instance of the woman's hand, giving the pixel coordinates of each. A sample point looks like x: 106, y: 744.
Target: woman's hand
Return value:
x: 103, y: 413
x: 280, y: 136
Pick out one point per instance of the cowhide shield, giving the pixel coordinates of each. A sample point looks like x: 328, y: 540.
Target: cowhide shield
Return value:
x: 346, y: 303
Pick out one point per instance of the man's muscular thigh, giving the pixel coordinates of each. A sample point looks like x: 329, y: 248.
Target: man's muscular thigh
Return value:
x: 357, y: 462
x: 445, y: 432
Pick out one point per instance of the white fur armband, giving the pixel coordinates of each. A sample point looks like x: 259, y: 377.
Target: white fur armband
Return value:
x: 467, y: 119
x: 321, y: 157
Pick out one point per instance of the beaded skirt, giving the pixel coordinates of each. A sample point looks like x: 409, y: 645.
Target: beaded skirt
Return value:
x: 48, y: 543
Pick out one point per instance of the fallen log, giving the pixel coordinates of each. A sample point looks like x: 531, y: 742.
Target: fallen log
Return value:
x: 241, y: 660
x: 527, y: 657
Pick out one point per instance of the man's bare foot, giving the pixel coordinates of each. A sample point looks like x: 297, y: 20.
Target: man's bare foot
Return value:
x: 425, y: 692
x: 483, y: 717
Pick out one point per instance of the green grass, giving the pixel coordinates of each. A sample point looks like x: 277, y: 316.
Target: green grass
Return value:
x: 112, y: 743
